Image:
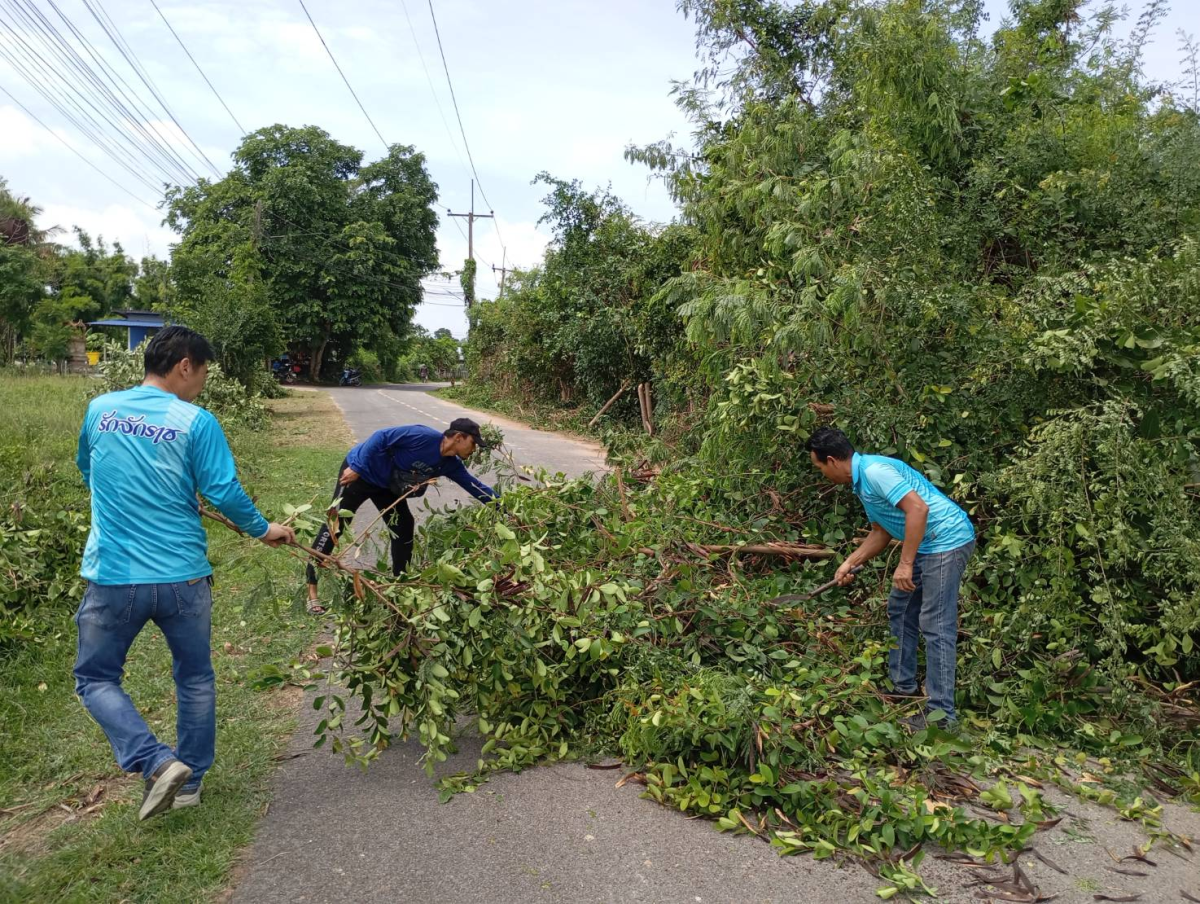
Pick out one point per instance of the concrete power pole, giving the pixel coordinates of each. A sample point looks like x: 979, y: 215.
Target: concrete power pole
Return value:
x: 503, y: 271
x: 471, y: 217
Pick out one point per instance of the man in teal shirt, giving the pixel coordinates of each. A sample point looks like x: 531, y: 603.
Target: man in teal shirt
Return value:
x: 145, y: 453
x: 937, y: 541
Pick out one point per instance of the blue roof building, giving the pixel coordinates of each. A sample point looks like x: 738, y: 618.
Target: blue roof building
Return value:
x: 140, y: 324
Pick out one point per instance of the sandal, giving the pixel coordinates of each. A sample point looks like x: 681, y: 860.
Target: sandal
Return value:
x: 316, y: 608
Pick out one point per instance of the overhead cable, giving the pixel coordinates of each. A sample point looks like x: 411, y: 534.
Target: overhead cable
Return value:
x: 68, y: 146
x: 386, y: 146
x: 241, y: 131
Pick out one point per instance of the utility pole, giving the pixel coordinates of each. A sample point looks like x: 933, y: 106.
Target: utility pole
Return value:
x: 471, y: 217
x: 503, y: 271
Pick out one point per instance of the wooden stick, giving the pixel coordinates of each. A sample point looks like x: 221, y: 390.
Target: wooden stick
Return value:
x: 621, y: 490
x: 609, y: 404
x: 790, y: 550
x: 302, y: 551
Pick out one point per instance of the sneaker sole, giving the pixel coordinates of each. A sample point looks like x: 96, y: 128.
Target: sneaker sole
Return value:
x: 162, y: 794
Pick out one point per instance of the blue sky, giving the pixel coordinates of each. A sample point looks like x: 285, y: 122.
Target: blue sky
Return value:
x: 561, y: 86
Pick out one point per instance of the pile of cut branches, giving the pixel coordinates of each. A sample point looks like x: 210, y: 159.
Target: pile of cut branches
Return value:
x: 578, y: 619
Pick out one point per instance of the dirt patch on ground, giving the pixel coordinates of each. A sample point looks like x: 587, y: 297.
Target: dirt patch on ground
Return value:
x: 29, y: 836
x: 302, y: 417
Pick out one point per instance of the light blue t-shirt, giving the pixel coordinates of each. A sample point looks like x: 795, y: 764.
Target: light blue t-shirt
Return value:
x: 880, y: 483
x: 145, y: 454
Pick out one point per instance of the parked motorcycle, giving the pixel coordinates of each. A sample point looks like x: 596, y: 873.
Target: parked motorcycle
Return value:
x: 283, y: 371
x: 351, y: 376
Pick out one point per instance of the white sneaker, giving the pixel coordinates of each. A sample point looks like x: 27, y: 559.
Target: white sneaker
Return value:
x: 162, y: 787
x: 186, y: 799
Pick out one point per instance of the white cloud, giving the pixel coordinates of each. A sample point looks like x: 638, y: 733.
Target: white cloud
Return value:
x: 138, y: 231
x: 22, y: 136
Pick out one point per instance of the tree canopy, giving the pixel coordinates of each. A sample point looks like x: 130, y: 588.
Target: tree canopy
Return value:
x: 303, y: 244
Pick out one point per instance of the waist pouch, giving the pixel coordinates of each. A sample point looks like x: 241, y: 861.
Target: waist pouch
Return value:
x: 401, y: 481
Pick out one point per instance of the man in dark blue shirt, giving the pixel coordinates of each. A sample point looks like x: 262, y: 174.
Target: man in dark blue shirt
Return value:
x: 390, y: 467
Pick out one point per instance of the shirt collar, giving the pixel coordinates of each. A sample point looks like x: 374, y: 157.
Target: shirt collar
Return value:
x: 855, y: 471
x: 145, y: 387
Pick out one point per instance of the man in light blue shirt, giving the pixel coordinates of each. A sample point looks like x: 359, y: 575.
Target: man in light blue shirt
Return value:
x: 937, y: 541
x: 145, y: 453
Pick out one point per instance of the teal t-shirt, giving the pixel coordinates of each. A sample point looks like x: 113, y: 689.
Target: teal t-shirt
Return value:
x: 145, y: 454
x: 880, y: 483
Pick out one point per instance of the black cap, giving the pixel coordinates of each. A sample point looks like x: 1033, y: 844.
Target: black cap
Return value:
x: 470, y: 428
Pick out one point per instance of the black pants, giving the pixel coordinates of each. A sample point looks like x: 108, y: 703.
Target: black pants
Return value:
x: 350, y: 498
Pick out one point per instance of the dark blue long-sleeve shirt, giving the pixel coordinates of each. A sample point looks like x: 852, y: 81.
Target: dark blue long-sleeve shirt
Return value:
x: 412, y: 448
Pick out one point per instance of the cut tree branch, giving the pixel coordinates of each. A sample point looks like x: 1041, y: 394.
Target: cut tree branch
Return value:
x: 599, y: 414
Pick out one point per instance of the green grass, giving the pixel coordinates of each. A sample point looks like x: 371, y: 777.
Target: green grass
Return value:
x: 52, y: 756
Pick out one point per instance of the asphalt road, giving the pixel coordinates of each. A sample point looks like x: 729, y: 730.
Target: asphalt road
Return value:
x: 566, y: 833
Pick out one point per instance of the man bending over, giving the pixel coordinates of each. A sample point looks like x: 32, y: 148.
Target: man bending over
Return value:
x: 390, y: 467
x: 938, y: 540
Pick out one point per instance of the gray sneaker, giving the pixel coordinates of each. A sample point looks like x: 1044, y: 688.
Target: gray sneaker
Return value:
x: 162, y: 787
x: 187, y: 799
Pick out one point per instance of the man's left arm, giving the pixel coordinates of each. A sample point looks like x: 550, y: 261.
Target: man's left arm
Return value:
x: 916, y: 517
x: 216, y: 477
x: 459, y: 474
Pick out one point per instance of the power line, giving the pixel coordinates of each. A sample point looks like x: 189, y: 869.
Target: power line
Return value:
x: 241, y: 130
x: 458, y: 115
x: 131, y: 131
x: 47, y: 89
x: 155, y: 140
x: 51, y: 84
x: 432, y: 90
x: 134, y: 63
x: 73, y: 151
x: 386, y: 146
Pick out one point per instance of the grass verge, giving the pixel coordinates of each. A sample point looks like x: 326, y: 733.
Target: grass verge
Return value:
x: 68, y: 823
x: 541, y: 415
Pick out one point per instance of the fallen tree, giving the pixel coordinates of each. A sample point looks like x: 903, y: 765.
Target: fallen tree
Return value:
x: 578, y: 620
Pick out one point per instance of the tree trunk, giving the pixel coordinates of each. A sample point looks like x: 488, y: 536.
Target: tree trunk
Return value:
x: 314, y: 369
x: 647, y: 407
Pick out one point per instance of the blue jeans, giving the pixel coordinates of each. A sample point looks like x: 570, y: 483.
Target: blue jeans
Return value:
x: 109, y: 618
x: 931, y: 610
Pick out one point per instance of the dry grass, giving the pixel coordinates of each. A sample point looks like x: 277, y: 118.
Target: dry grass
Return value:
x: 306, y: 419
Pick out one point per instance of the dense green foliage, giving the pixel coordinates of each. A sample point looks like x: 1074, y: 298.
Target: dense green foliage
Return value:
x: 978, y: 255
x: 48, y: 291
x: 303, y: 245
x: 577, y: 619
x: 44, y: 514
x: 586, y: 320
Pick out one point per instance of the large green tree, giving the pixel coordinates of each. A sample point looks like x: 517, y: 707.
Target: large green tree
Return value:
x: 304, y: 245
x: 585, y: 321
x: 23, y: 270
x: 86, y: 283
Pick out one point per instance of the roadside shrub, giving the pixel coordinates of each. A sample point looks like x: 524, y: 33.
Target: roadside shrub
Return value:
x: 224, y: 396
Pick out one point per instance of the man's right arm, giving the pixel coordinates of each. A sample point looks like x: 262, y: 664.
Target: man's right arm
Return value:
x: 875, y: 543
x: 83, y: 458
